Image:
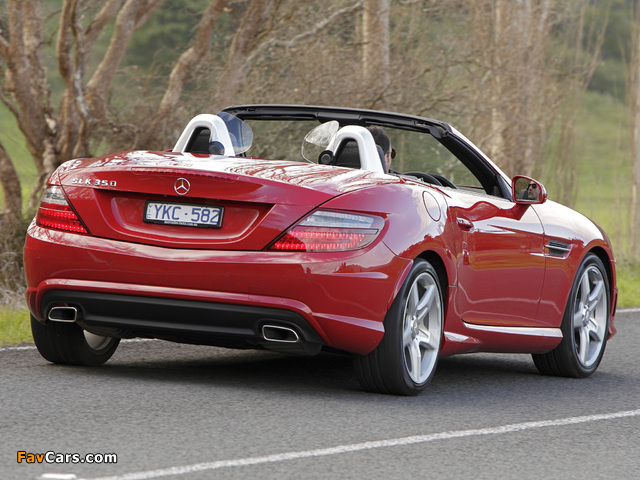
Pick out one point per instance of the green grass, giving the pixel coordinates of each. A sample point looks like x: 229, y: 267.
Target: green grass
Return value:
x: 14, y: 326
x: 628, y: 285
x: 603, y: 180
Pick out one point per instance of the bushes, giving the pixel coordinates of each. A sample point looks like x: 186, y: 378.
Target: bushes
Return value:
x: 12, y: 284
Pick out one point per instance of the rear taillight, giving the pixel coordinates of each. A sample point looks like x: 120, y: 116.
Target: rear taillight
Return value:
x: 329, y: 231
x: 55, y: 212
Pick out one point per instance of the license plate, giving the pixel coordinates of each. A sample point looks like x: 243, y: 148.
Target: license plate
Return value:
x: 183, y: 214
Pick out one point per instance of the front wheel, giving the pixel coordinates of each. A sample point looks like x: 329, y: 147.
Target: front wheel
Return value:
x: 67, y: 343
x: 406, y: 358
x: 585, y: 325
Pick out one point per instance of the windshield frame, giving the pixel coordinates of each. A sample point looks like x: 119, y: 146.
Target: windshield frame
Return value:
x: 493, y: 180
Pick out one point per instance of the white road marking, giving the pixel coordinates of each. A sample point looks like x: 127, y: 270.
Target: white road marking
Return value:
x: 628, y: 310
x: 17, y: 348
x: 358, y: 447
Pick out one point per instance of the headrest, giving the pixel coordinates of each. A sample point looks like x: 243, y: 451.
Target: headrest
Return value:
x: 347, y: 155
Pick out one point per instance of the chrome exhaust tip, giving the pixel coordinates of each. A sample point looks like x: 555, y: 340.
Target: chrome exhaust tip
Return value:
x: 63, y: 314
x: 276, y: 333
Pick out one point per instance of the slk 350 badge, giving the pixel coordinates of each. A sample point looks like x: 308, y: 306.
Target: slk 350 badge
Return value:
x: 94, y: 182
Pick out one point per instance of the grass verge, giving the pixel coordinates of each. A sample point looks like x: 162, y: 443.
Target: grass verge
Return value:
x: 628, y: 285
x: 14, y: 326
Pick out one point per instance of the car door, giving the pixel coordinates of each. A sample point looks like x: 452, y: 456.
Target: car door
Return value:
x: 500, y: 259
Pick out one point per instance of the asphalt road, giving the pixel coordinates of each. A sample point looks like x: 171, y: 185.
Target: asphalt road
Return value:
x: 191, y: 412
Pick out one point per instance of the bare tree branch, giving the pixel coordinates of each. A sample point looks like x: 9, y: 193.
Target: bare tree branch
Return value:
x: 320, y: 26
x: 63, y: 45
x: 4, y: 97
x: 73, y: 105
x: 105, y: 15
x: 4, y: 45
x: 183, y: 66
x: 375, y: 48
x: 131, y: 17
x: 11, y: 187
x: 251, y: 27
x: 24, y: 74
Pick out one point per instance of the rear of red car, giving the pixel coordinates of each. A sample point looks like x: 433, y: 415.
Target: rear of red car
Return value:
x: 222, y: 251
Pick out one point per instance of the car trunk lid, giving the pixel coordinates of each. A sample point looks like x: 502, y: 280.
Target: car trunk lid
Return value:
x: 155, y: 197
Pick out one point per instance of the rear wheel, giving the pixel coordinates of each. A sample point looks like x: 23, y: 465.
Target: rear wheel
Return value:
x: 585, y: 325
x: 67, y: 343
x: 406, y: 358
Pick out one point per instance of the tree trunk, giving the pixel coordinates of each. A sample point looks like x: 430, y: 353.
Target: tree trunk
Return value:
x: 133, y: 15
x: 11, y: 189
x: 375, y: 51
x: 155, y: 130
x: 252, y: 27
x: 498, y: 122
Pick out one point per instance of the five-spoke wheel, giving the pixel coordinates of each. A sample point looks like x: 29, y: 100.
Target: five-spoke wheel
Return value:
x: 422, y: 328
x: 585, y: 325
x: 406, y: 358
x: 590, y: 317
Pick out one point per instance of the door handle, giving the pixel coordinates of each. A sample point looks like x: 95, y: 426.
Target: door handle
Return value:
x: 465, y: 224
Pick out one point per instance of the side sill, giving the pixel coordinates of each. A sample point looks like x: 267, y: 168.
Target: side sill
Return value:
x: 528, y: 331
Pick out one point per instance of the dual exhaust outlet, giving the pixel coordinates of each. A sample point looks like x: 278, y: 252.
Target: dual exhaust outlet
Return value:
x: 271, y: 333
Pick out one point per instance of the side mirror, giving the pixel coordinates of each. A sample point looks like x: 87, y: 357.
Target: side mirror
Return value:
x: 525, y: 190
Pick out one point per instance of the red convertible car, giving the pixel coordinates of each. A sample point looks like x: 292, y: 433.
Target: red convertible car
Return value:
x: 289, y: 228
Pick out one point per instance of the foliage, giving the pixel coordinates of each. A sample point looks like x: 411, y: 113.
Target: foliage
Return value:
x: 610, y: 76
x: 11, y: 269
x: 164, y: 37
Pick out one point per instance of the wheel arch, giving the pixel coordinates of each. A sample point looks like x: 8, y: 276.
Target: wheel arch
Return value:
x: 398, y: 365
x: 607, y: 260
x: 438, y: 264
x: 602, y: 254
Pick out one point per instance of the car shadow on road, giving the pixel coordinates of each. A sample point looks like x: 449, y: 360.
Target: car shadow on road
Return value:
x: 327, y: 372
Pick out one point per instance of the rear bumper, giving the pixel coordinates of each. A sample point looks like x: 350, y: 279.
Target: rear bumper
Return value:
x: 187, y: 321
x: 213, y: 297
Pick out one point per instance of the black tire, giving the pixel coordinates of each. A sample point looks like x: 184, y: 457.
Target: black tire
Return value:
x: 585, y: 325
x: 67, y: 343
x: 406, y: 358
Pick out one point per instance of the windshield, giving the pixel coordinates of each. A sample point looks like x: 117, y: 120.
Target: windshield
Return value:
x: 317, y: 140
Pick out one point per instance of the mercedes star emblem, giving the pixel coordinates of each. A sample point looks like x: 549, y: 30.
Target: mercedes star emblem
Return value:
x: 182, y: 186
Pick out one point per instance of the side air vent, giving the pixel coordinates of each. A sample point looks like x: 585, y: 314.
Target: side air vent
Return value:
x: 558, y: 249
